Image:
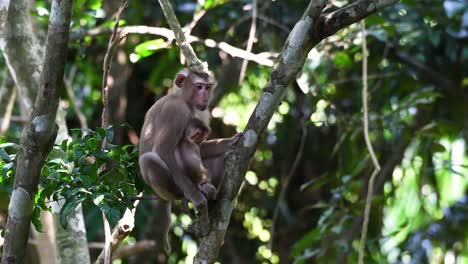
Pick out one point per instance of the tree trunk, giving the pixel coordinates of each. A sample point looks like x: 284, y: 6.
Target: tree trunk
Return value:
x: 40, y: 132
x: 308, y: 32
x: 23, y: 55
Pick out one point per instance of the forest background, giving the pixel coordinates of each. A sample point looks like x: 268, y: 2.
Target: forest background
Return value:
x: 304, y: 193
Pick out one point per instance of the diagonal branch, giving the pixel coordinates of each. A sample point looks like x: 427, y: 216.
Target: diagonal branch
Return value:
x: 192, y: 60
x: 290, y: 63
x: 307, y: 33
x: 351, y: 14
x: 250, y: 41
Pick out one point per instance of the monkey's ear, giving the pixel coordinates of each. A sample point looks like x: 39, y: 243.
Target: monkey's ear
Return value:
x: 179, y: 80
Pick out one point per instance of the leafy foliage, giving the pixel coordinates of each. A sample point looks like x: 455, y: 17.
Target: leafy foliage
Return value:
x: 79, y: 171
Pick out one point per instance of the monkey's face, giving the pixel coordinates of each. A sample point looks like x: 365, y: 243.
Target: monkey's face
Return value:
x: 202, y: 94
x: 195, y: 89
x: 201, y: 91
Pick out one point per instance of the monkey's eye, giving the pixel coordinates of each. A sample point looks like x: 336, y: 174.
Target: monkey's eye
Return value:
x: 199, y: 86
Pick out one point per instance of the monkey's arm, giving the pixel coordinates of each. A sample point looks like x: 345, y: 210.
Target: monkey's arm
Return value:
x: 216, y: 147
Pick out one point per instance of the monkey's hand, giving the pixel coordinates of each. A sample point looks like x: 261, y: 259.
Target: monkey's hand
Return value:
x: 208, y: 190
x: 236, y: 138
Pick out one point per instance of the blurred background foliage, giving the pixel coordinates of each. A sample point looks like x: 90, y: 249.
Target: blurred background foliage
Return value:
x: 418, y: 91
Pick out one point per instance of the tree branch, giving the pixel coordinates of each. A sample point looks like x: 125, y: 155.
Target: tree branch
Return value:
x: 250, y: 41
x: 68, y: 81
x: 351, y: 14
x: 22, y: 51
x: 290, y: 63
x: 120, y: 232
x: 192, y: 60
x: 137, y: 248
x: 307, y: 32
x: 263, y: 58
x: 370, y: 149
x: 39, y: 134
x: 111, y: 242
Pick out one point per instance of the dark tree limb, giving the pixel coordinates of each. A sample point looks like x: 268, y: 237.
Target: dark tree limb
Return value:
x: 39, y: 134
x: 308, y: 32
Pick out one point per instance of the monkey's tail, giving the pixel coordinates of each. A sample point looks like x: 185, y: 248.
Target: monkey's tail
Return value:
x: 166, y: 224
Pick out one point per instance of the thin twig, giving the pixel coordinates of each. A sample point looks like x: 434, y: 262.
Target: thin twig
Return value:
x: 121, y: 231
x: 111, y: 48
x: 5, y: 123
x: 250, y: 41
x: 69, y: 87
x: 286, y: 181
x: 375, y: 162
x: 197, y: 15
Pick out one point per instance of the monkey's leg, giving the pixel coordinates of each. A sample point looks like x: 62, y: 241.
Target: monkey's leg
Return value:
x: 192, y: 193
x: 156, y: 174
x: 215, y: 167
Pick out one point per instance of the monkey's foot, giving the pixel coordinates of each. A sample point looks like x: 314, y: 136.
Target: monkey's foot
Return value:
x: 199, y: 230
x: 208, y: 190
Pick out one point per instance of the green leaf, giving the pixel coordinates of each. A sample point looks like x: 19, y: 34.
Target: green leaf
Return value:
x: 314, y: 184
x: 342, y: 60
x: 4, y: 155
x: 101, y: 132
x: 147, y: 48
x: 436, y: 147
x: 98, y: 199
x: 305, y: 242
x: 36, y: 218
x: 67, y: 209
x: 112, y: 214
x: 94, y: 4
x: 64, y: 145
x: 6, y: 168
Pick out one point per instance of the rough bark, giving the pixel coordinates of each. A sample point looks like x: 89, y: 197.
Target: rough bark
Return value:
x: 22, y: 51
x: 40, y: 132
x: 4, y: 5
x: 7, y: 101
x: 308, y: 32
x: 24, y: 56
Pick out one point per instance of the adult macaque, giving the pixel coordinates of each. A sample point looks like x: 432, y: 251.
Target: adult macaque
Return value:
x: 165, y: 147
